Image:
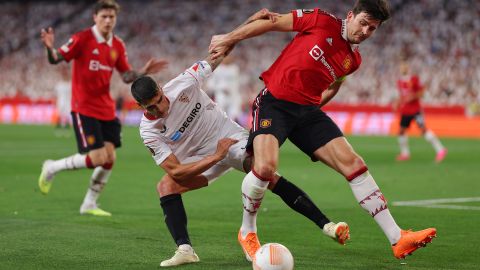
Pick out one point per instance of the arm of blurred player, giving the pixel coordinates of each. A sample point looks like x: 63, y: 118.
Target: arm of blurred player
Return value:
x: 152, y: 66
x: 184, y: 172
x: 48, y: 37
x: 328, y: 94
x: 281, y: 23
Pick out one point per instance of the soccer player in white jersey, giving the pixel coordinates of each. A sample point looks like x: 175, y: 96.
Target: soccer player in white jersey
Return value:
x: 195, y: 142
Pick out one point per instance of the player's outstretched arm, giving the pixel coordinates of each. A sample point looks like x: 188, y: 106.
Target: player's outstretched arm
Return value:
x: 48, y: 37
x: 265, y: 21
x: 184, y: 172
x: 331, y: 91
x: 151, y: 67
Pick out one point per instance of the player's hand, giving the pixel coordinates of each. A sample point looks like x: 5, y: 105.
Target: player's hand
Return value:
x: 264, y: 14
x: 223, y: 146
x: 48, y: 37
x: 220, y: 45
x: 153, y: 66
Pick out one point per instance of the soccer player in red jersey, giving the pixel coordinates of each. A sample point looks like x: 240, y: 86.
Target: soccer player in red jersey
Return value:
x: 95, y: 52
x: 307, y: 74
x: 408, y: 105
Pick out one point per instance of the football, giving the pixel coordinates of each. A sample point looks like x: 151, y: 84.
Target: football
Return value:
x: 273, y: 256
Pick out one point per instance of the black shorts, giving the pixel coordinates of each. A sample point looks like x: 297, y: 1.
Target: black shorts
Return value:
x: 306, y: 126
x: 92, y: 133
x: 406, y: 120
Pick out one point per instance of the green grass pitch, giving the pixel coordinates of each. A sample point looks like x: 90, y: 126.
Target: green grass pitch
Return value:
x: 47, y: 232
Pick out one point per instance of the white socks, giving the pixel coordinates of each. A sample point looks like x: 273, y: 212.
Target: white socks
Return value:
x: 372, y: 200
x: 403, y: 143
x: 431, y: 138
x: 73, y: 162
x: 253, y: 190
x: 97, y: 182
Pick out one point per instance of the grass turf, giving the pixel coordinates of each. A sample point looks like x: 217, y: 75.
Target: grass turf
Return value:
x: 47, y: 232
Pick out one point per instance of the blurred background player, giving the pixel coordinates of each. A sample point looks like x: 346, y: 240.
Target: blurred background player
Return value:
x: 408, y: 105
x: 224, y: 85
x: 95, y: 52
x: 63, y: 96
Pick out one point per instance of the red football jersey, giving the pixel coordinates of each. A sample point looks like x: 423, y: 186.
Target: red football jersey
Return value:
x: 409, y: 86
x: 94, y: 59
x: 317, y: 56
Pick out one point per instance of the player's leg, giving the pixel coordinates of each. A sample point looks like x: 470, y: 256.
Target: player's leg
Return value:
x: 175, y: 216
x: 86, y: 133
x: 104, y: 159
x: 99, y: 179
x: 403, y: 138
x: 299, y: 201
x: 430, y: 137
x: 339, y: 155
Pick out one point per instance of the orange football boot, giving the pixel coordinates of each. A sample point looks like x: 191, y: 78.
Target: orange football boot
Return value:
x: 250, y: 245
x: 411, y: 241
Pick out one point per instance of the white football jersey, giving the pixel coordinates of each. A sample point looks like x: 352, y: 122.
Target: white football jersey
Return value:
x: 194, y: 123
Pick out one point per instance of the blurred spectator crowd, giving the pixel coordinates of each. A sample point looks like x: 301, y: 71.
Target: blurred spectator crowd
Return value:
x: 440, y: 39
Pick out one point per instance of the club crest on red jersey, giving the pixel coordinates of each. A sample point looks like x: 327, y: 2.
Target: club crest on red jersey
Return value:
x: 347, y: 63
x: 265, y: 123
x: 113, y: 54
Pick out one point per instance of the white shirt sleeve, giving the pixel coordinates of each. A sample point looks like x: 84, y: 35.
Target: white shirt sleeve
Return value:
x: 199, y: 71
x: 159, y: 150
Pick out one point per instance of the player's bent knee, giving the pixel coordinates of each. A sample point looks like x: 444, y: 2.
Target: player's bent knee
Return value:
x: 265, y: 170
x: 168, y: 186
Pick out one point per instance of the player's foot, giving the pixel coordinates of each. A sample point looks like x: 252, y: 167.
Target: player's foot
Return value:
x: 411, y: 241
x: 403, y: 157
x: 183, y: 255
x: 249, y: 244
x: 94, y: 211
x: 339, y: 232
x: 45, y: 179
x: 441, y: 155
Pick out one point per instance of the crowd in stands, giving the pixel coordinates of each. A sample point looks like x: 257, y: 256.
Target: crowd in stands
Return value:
x: 440, y: 38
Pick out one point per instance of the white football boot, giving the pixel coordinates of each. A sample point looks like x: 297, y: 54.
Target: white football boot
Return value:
x: 339, y: 232
x: 183, y: 255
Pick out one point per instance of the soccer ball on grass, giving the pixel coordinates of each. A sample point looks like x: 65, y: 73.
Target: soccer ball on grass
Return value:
x: 273, y: 256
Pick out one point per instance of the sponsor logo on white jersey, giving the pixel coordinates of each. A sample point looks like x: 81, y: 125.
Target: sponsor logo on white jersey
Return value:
x: 193, y: 114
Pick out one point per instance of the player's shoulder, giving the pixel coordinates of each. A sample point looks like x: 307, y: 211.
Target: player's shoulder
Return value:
x: 84, y: 34
x: 323, y: 14
x: 118, y: 41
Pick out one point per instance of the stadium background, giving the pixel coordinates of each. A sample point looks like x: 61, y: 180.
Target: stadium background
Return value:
x: 439, y: 37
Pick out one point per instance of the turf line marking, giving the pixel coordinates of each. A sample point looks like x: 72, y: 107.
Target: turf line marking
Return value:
x: 439, y: 203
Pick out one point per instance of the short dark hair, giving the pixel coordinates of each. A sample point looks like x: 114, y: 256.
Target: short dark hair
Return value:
x: 377, y: 9
x: 144, y: 89
x: 106, y: 4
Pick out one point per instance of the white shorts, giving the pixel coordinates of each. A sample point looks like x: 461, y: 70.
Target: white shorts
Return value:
x: 235, y: 156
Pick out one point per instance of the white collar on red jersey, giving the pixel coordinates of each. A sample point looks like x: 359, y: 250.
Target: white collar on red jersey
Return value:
x: 344, y: 35
x: 100, y: 38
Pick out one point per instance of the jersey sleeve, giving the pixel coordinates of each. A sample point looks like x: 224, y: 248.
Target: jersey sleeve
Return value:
x: 122, y: 64
x: 159, y: 150
x: 200, y: 71
x: 304, y: 19
x: 71, y: 49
